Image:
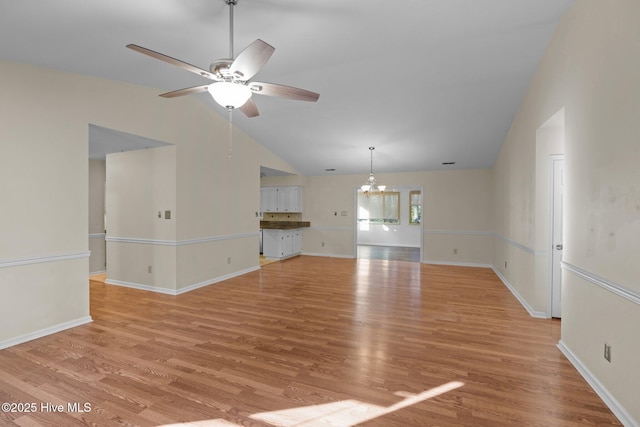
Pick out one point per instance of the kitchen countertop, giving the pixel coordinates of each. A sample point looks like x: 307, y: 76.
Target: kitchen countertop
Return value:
x: 284, y: 225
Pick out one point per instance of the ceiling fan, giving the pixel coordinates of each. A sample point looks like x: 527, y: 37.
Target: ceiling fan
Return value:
x: 232, y: 86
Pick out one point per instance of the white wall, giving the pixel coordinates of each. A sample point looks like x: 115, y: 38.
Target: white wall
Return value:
x: 140, y: 185
x: 44, y: 186
x: 591, y: 70
x: 97, y: 244
x: 44, y: 221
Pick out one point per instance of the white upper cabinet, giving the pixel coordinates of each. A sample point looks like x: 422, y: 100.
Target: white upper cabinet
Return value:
x: 281, y: 199
x: 269, y: 199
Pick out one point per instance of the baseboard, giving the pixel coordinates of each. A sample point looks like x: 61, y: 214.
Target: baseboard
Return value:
x: 525, y: 304
x: 216, y: 280
x: 456, y: 264
x: 140, y: 286
x: 44, y: 332
x: 328, y: 255
x: 180, y: 291
x: 618, y: 410
x: 390, y: 245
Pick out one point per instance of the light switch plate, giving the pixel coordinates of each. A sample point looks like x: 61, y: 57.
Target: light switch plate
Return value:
x: 167, y: 214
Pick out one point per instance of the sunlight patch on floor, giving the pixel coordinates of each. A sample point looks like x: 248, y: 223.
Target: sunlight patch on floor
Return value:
x: 344, y: 413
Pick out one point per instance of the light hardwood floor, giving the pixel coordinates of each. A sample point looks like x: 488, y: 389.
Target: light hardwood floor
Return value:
x: 308, y: 341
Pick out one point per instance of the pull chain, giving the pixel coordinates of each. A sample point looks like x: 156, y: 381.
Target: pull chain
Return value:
x: 230, y: 132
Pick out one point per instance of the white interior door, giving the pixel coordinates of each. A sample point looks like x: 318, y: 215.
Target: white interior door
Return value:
x: 557, y: 240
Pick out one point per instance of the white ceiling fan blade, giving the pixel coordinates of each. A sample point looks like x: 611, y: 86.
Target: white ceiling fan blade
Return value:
x: 173, y: 61
x: 186, y: 91
x: 250, y: 109
x: 251, y: 59
x: 282, y: 91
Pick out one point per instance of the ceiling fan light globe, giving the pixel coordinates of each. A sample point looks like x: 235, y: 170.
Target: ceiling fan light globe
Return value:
x: 229, y: 95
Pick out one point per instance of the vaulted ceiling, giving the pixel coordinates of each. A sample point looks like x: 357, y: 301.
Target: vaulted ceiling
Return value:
x: 424, y: 81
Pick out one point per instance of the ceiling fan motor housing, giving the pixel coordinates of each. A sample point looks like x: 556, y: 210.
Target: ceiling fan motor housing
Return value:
x: 221, y: 67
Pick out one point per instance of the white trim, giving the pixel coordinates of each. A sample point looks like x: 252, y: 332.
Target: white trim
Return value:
x: 525, y: 304
x: 617, y: 289
x: 519, y: 245
x: 217, y: 238
x: 216, y: 280
x: 328, y: 255
x: 389, y: 245
x: 159, y: 242
x: 489, y: 233
x: 140, y: 286
x: 139, y: 241
x: 180, y: 291
x: 618, y: 410
x: 97, y: 235
x: 457, y: 264
x: 42, y: 259
x: 44, y: 332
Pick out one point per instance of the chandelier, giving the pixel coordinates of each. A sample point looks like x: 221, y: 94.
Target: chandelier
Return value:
x: 370, y: 184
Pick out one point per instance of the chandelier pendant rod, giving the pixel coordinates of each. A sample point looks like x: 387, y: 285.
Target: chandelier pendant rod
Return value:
x: 371, y: 170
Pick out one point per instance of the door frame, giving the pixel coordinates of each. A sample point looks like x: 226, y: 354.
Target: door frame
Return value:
x: 553, y: 158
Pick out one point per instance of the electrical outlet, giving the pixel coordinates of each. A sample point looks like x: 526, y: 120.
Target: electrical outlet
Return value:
x: 149, y: 269
x: 607, y: 352
x: 455, y: 251
x: 505, y: 264
x: 228, y: 260
x: 323, y: 244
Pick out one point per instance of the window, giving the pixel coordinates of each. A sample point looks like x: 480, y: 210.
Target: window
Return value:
x: 415, y: 207
x: 379, y: 208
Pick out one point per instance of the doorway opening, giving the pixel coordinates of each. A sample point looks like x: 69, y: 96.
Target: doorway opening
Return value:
x: 549, y: 216
x: 102, y: 142
x: 389, y: 224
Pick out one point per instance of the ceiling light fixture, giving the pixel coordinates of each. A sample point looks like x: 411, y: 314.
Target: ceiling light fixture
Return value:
x: 232, y: 76
x: 370, y: 184
x: 229, y: 95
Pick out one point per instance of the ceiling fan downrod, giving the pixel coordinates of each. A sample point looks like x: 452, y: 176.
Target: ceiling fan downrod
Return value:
x: 231, y: 4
